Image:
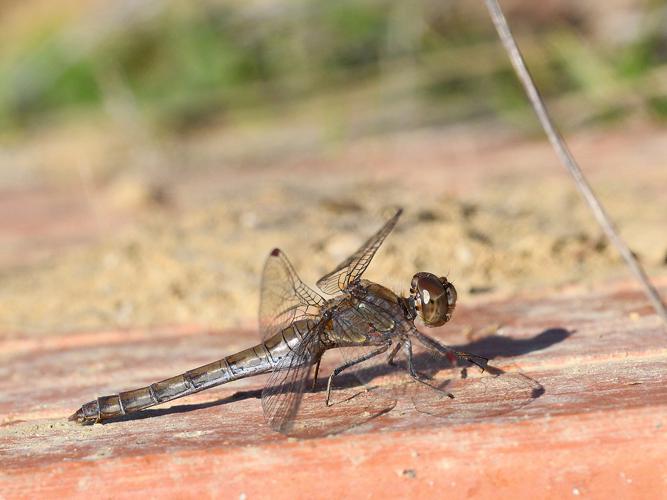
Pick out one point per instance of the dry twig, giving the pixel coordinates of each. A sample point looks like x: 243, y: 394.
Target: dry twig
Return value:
x: 566, y: 157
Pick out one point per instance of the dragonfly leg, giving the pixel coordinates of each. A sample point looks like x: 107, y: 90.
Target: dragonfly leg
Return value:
x: 436, y: 346
x: 353, y: 362
x: 408, y: 354
x: 317, y: 370
x: 414, y: 373
x: 392, y: 354
x: 478, y: 361
x: 407, y: 347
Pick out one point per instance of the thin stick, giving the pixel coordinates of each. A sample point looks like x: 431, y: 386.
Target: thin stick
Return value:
x: 566, y: 157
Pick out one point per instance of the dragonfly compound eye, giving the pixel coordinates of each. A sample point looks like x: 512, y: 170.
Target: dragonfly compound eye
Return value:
x: 436, y: 298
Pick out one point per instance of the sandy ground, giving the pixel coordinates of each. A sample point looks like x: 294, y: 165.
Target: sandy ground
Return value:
x: 495, y: 213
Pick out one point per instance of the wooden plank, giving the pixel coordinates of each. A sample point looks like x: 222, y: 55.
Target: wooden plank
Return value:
x: 598, y: 428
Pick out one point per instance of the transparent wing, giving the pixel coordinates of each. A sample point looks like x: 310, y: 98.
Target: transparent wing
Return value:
x: 353, y: 267
x: 361, y: 323
x: 283, y: 392
x: 284, y: 297
x: 292, y: 410
x: 464, y: 393
x: 350, y: 327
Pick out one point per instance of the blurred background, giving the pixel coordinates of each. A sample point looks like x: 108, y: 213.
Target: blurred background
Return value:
x: 153, y: 152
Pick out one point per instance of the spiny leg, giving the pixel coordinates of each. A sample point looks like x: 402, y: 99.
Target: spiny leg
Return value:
x: 353, y: 362
x: 317, y: 371
x: 479, y: 361
x: 413, y: 373
x: 392, y: 354
x: 407, y: 347
x: 434, y: 345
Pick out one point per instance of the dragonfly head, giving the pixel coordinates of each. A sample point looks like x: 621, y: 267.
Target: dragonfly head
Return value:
x: 434, y: 298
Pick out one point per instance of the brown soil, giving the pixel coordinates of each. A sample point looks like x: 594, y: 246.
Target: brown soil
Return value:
x: 495, y: 213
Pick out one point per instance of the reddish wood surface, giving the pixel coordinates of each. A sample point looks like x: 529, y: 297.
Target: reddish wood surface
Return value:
x: 598, y: 430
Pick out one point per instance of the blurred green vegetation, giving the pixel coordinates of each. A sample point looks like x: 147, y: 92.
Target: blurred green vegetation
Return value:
x: 182, y: 65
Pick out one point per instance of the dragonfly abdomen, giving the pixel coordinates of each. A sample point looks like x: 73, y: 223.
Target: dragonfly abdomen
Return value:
x: 256, y: 360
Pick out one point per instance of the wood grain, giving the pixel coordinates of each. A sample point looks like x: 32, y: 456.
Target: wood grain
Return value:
x: 598, y: 428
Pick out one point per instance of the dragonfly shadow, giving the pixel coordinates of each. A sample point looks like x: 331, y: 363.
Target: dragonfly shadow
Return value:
x: 491, y: 347
x: 494, y: 346
x: 159, y: 412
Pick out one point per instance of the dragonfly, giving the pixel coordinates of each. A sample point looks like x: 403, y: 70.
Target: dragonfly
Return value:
x: 298, y: 325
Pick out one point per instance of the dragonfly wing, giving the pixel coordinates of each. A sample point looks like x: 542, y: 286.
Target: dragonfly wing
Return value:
x: 284, y: 297
x: 353, y: 267
x: 350, y: 327
x: 453, y: 389
x: 283, y: 392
